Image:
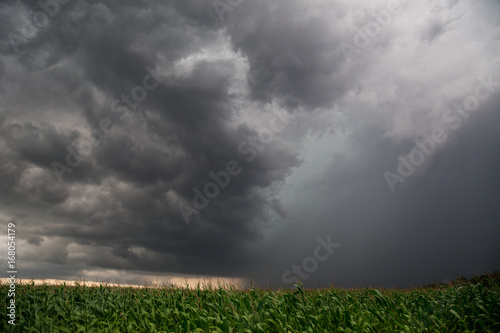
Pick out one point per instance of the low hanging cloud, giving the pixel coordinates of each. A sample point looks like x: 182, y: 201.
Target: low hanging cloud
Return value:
x: 223, y: 140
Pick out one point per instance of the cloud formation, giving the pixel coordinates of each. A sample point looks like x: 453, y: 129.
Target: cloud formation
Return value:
x: 116, y: 115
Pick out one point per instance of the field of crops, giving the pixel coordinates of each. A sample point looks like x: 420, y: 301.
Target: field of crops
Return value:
x: 460, y: 307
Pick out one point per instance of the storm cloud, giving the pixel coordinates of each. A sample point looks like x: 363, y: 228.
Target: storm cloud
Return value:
x: 223, y: 138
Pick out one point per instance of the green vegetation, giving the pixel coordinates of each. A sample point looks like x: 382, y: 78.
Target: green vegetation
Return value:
x: 464, y: 305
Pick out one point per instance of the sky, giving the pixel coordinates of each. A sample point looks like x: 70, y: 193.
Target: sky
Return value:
x: 349, y: 143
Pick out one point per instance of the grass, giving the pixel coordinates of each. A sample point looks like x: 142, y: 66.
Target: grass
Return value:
x: 462, y: 306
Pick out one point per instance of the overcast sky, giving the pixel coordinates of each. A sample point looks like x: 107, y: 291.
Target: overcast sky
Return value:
x: 347, y: 142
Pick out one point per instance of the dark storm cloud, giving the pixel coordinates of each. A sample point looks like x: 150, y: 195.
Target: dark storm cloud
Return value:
x: 431, y: 223
x: 135, y: 178
x: 420, y: 233
x: 214, y: 87
x: 288, y: 55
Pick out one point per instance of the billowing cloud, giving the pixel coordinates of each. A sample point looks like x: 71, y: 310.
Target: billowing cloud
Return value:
x: 182, y: 138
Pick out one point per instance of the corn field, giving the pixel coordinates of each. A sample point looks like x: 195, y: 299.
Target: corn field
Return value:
x: 459, y: 307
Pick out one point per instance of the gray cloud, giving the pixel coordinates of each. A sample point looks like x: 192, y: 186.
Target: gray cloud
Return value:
x: 217, y: 88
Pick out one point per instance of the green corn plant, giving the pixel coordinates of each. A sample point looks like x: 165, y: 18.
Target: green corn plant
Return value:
x: 472, y: 306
